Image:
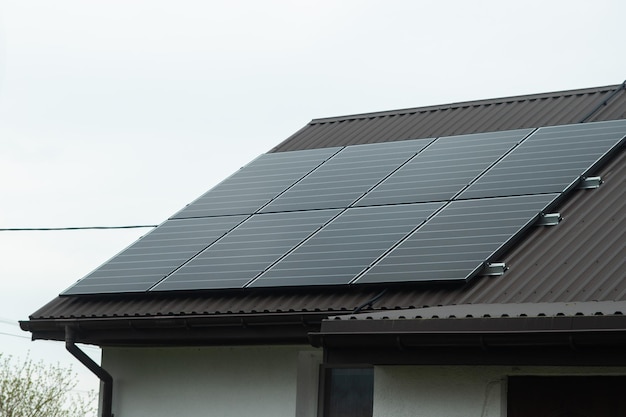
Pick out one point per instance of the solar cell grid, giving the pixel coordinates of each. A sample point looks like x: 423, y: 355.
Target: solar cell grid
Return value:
x: 443, y: 169
x: 346, y: 176
x: 254, y: 185
x: 550, y: 160
x: 271, y: 223
x: 246, y: 251
x: 151, y: 258
x: 343, y: 248
x: 453, y: 244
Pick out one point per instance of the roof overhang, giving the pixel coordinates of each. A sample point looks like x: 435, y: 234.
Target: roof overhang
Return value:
x: 181, y: 330
x: 530, y: 338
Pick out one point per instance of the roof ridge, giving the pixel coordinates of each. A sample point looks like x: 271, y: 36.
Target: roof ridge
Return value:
x: 470, y: 103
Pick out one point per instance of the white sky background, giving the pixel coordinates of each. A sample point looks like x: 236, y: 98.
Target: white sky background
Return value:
x: 121, y: 112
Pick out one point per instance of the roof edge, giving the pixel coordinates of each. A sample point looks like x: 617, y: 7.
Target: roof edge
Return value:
x: 549, y: 341
x: 261, y: 328
x: 498, y: 310
x: 469, y: 103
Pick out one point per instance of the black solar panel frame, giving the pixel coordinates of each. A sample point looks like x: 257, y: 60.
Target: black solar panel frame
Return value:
x: 327, y: 248
x: 550, y: 201
x: 435, y: 161
x: 352, y: 165
x: 462, y: 195
x: 151, y: 240
x: 535, y: 139
x: 246, y: 176
x: 232, y: 247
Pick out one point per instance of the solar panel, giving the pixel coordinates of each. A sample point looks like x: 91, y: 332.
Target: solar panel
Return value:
x: 444, y: 168
x: 246, y: 251
x: 154, y: 256
x: 346, y: 176
x: 339, y: 216
x: 454, y: 244
x: 550, y: 160
x: 343, y: 248
x: 256, y: 184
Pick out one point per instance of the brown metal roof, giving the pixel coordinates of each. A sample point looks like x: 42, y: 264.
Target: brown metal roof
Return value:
x: 548, y: 109
x: 581, y: 259
x: 463, y: 311
x: 574, y: 334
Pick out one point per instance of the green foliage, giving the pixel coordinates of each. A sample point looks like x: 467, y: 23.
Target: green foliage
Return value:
x: 35, y: 389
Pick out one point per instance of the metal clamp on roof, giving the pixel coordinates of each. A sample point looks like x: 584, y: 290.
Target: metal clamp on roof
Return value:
x: 494, y: 269
x: 549, y: 219
x: 590, y: 182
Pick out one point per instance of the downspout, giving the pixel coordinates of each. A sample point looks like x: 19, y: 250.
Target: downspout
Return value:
x: 105, y: 377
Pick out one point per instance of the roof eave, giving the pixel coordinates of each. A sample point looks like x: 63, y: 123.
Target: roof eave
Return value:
x: 181, y: 330
x: 589, y: 340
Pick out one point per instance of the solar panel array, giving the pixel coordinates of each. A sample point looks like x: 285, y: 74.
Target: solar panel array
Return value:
x: 246, y: 251
x: 342, y: 249
x: 256, y: 184
x: 156, y: 255
x: 441, y: 170
x: 398, y: 212
x: 453, y: 244
x: 549, y: 161
x: 347, y: 176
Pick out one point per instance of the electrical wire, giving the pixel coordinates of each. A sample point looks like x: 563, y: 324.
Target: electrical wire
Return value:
x: 14, y: 335
x: 48, y: 229
x: 11, y: 322
x: 8, y: 321
x: 93, y: 348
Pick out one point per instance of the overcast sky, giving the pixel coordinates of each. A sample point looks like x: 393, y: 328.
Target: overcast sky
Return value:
x: 121, y: 112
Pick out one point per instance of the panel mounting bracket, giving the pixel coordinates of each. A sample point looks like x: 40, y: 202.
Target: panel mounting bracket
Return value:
x: 549, y: 219
x: 590, y: 182
x: 494, y: 269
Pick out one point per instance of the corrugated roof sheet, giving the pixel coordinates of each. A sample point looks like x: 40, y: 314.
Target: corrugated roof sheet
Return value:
x: 570, y: 262
x: 559, y: 108
x: 461, y: 311
x: 582, y: 259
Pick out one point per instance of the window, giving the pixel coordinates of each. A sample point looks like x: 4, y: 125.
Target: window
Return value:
x: 566, y: 396
x: 348, y: 392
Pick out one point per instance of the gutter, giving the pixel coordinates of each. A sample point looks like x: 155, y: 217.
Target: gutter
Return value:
x: 562, y: 340
x: 105, y: 377
x: 258, y: 328
x: 506, y: 331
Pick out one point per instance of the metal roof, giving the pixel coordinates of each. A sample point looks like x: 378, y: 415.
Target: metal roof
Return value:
x: 577, y: 333
x: 461, y: 311
x: 508, y: 113
x: 580, y: 260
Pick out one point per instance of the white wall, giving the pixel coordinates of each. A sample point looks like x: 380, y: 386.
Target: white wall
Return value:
x: 454, y: 391
x: 206, y: 381
x: 277, y: 381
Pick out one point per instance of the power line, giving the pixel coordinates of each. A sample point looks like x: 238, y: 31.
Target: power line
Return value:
x: 88, y: 347
x: 14, y: 335
x: 48, y: 229
x: 9, y: 321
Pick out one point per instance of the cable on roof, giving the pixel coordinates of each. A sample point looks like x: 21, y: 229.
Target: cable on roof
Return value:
x: 369, y: 303
x: 604, y: 102
x: 47, y: 229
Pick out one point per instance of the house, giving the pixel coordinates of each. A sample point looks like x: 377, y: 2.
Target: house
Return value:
x: 301, y: 312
